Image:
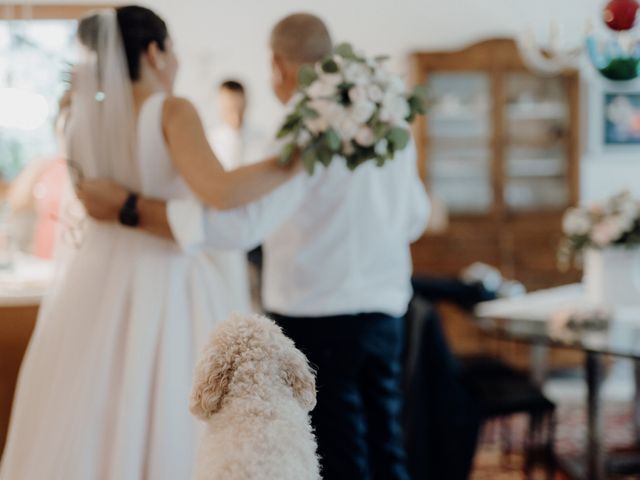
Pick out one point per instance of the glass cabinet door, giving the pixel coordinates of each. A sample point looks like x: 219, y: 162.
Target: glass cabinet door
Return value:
x: 536, y: 154
x: 459, y: 138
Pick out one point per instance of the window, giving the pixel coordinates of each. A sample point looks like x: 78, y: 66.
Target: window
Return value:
x: 34, y: 56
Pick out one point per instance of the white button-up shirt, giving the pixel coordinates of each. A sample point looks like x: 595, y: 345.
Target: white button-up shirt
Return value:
x: 335, y: 243
x: 237, y: 148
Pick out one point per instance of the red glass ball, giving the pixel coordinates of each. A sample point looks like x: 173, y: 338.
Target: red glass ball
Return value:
x: 620, y: 15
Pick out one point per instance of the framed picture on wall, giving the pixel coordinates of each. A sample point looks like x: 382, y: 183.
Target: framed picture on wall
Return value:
x: 621, y: 118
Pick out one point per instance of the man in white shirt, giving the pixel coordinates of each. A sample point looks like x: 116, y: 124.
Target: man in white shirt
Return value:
x: 337, y: 274
x: 235, y: 142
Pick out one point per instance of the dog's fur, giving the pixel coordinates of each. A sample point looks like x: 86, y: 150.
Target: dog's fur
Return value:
x: 255, y: 390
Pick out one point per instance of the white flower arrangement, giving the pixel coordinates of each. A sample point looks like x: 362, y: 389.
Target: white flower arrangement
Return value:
x: 614, y: 222
x: 349, y: 106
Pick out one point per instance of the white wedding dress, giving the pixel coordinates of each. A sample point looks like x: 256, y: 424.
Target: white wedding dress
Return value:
x: 104, y: 388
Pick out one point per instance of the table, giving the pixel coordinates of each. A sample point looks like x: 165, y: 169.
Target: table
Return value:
x: 540, y: 319
x: 21, y: 291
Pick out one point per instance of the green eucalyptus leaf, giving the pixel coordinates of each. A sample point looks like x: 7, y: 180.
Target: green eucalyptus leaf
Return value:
x: 325, y: 156
x: 283, y: 133
x: 290, y: 127
x: 330, y: 66
x: 417, y: 105
x: 379, y: 130
x: 287, y: 153
x: 307, y: 76
x: 309, y: 159
x: 422, y: 92
x: 399, y: 137
x: 292, y: 121
x: 345, y: 50
x: 308, y: 112
x: 333, y: 140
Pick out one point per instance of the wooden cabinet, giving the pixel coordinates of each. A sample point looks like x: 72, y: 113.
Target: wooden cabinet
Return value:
x: 500, y: 148
x: 16, y: 325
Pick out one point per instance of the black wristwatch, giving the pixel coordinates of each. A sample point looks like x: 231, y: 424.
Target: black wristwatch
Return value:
x: 129, y: 214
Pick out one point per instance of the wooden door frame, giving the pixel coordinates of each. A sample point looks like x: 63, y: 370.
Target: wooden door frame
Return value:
x: 47, y: 12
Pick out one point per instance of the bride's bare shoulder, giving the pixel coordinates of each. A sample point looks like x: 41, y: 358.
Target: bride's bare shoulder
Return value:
x: 178, y: 109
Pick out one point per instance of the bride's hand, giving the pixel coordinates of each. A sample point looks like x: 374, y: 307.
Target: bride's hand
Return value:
x: 103, y: 199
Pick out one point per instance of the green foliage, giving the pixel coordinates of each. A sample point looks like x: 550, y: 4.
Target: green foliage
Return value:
x: 309, y: 159
x: 287, y: 153
x: 399, y: 137
x: 323, y: 147
x: 330, y: 66
x: 333, y: 140
x: 421, y: 92
x: 307, y: 76
x: 307, y: 112
x: 345, y: 50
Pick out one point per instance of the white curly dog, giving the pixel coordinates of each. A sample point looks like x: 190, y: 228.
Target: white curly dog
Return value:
x: 255, y: 390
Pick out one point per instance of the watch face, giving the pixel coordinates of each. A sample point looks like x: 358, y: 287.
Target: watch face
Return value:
x: 129, y: 215
x: 129, y: 218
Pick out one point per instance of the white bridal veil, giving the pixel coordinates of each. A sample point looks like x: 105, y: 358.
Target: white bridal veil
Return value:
x: 101, y: 130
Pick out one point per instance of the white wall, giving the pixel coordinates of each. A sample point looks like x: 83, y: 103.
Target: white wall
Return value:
x: 218, y: 39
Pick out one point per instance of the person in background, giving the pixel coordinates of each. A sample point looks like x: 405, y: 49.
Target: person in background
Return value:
x: 238, y: 144
x: 235, y: 141
x: 37, y: 193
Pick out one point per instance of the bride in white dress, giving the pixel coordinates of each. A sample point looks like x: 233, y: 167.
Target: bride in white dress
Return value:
x: 103, y: 391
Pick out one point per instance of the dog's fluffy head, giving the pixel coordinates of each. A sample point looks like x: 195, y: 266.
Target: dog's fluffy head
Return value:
x: 249, y: 355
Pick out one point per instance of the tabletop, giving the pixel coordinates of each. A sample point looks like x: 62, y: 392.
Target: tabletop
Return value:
x: 26, y: 282
x: 563, y: 316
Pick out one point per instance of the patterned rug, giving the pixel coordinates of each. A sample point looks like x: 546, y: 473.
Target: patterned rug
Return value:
x: 492, y: 464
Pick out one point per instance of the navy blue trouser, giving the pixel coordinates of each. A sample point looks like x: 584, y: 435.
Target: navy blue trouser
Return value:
x: 359, y: 380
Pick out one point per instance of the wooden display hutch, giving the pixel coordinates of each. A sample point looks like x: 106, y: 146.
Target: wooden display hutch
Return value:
x: 500, y: 148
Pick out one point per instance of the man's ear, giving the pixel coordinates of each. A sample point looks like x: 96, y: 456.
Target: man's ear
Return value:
x: 279, y: 68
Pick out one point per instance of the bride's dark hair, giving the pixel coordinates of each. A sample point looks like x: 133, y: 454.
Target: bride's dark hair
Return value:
x: 139, y: 27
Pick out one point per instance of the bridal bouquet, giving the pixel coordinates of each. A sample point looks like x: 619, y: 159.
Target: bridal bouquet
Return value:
x: 616, y: 222
x: 350, y: 106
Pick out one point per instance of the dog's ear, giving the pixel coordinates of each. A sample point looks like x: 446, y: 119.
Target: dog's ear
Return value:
x: 211, y: 382
x: 300, y: 378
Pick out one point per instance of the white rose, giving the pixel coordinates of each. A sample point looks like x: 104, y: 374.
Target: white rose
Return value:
x: 375, y: 93
x: 317, y: 125
x: 334, y: 79
x: 358, y: 94
x: 324, y: 87
x: 361, y: 112
x: 628, y: 210
x: 606, y: 232
x: 396, y: 84
x: 576, y: 222
x: 335, y: 114
x: 347, y: 128
x: 357, y: 73
x: 381, y: 75
x: 395, y: 109
x: 381, y: 146
x: 303, y: 139
x: 365, y: 137
x: 321, y: 106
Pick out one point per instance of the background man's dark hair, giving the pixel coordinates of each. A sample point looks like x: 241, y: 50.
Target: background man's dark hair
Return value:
x: 232, y: 86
